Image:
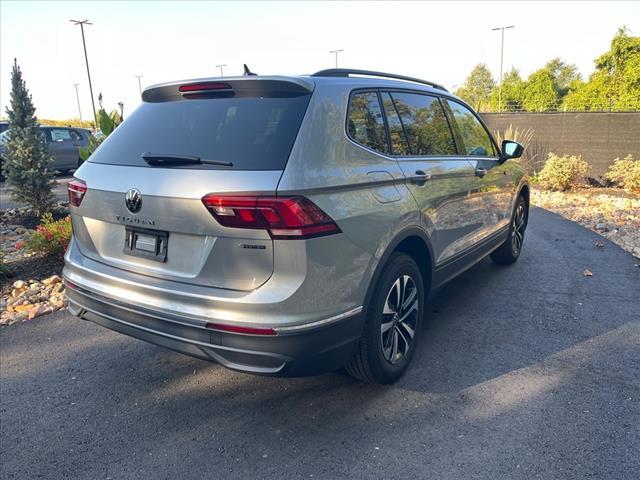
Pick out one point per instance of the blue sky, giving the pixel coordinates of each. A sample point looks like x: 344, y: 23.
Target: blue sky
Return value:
x: 174, y: 40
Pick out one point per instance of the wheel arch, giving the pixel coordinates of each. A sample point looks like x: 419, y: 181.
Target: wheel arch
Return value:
x: 415, y: 243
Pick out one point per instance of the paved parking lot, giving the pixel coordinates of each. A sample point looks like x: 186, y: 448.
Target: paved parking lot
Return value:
x: 529, y: 371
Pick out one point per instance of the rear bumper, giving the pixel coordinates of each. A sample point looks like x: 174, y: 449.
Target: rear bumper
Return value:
x: 318, y: 349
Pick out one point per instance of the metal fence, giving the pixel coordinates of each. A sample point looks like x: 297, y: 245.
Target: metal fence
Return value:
x: 599, y: 137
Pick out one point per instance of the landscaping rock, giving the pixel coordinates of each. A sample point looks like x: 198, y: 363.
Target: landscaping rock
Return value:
x: 29, y: 300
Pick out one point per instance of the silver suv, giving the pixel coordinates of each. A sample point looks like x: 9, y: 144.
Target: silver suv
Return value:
x: 290, y: 225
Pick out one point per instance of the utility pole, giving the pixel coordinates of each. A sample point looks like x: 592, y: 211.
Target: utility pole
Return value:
x: 78, y: 100
x: 502, y: 29
x: 220, y: 67
x: 82, y: 23
x: 336, y: 52
x: 139, y: 83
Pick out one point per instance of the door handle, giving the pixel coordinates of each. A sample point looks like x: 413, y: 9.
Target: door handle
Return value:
x: 420, y: 177
x: 481, y: 172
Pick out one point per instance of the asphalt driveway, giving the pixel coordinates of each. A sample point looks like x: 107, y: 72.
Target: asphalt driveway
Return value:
x: 529, y: 371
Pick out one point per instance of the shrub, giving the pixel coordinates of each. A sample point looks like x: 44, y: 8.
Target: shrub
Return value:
x: 51, y: 236
x: 562, y: 173
x: 625, y: 173
x: 524, y: 137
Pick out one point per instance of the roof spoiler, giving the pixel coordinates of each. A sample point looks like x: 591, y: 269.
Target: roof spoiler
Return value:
x: 248, y: 86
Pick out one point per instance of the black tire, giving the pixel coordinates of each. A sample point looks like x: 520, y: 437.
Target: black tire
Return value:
x: 510, y: 250
x: 373, y: 362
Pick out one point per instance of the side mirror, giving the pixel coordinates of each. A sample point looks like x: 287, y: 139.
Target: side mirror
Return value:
x: 511, y: 149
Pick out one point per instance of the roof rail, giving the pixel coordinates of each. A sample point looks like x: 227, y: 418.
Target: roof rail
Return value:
x: 345, y: 72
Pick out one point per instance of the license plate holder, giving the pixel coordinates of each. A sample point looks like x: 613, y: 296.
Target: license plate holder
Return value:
x: 146, y: 243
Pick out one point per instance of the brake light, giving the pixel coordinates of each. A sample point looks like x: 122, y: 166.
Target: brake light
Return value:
x: 282, y: 217
x: 76, y: 189
x: 204, y: 87
x: 239, y: 329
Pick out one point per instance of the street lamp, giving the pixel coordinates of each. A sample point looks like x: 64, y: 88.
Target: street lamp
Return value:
x: 121, y: 105
x: 502, y: 29
x: 220, y: 67
x: 336, y: 52
x: 82, y: 23
x: 139, y: 84
x: 78, y: 100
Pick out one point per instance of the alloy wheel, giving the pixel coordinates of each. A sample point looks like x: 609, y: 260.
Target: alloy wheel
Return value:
x: 518, y: 226
x: 399, y: 319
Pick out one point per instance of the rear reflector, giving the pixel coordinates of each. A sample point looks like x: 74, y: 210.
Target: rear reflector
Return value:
x: 76, y: 189
x: 204, y: 87
x: 238, y: 329
x: 283, y: 217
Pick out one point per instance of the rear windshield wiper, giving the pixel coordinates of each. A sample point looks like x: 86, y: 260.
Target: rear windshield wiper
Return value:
x: 162, y: 160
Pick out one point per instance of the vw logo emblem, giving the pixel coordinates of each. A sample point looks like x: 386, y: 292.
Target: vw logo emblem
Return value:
x: 133, y: 200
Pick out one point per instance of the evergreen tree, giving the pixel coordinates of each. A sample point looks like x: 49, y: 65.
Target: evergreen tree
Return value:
x: 28, y: 166
x: 512, y: 93
x: 477, y: 88
x: 540, y: 92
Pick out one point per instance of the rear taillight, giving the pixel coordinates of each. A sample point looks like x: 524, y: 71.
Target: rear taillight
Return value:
x: 282, y: 217
x: 76, y: 189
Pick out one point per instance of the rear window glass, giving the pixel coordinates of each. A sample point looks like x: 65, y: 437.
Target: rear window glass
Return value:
x: 253, y: 133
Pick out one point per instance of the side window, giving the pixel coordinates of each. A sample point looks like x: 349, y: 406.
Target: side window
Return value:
x: 365, y: 124
x: 60, y: 135
x: 475, y: 139
x: 425, y: 124
x: 399, y: 144
x: 75, y: 136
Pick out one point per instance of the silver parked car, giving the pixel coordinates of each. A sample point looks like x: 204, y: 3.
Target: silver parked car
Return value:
x: 290, y: 225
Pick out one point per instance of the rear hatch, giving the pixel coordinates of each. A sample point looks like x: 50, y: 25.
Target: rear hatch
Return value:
x: 143, y: 209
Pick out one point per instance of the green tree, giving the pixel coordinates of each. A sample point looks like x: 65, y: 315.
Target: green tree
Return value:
x: 539, y: 93
x: 563, y: 75
x: 512, y: 93
x: 615, y: 84
x: 28, y: 167
x: 477, y: 88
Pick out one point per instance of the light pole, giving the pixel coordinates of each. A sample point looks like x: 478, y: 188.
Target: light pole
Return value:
x: 78, y: 100
x: 336, y: 52
x: 82, y: 23
x: 502, y: 29
x: 121, y: 105
x: 220, y: 67
x: 139, y: 83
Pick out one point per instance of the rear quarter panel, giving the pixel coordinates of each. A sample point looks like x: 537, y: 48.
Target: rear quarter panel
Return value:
x: 363, y: 191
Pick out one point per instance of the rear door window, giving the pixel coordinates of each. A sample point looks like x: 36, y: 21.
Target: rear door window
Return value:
x: 476, y: 141
x: 399, y: 143
x: 365, y: 124
x: 425, y: 124
x: 251, y: 132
